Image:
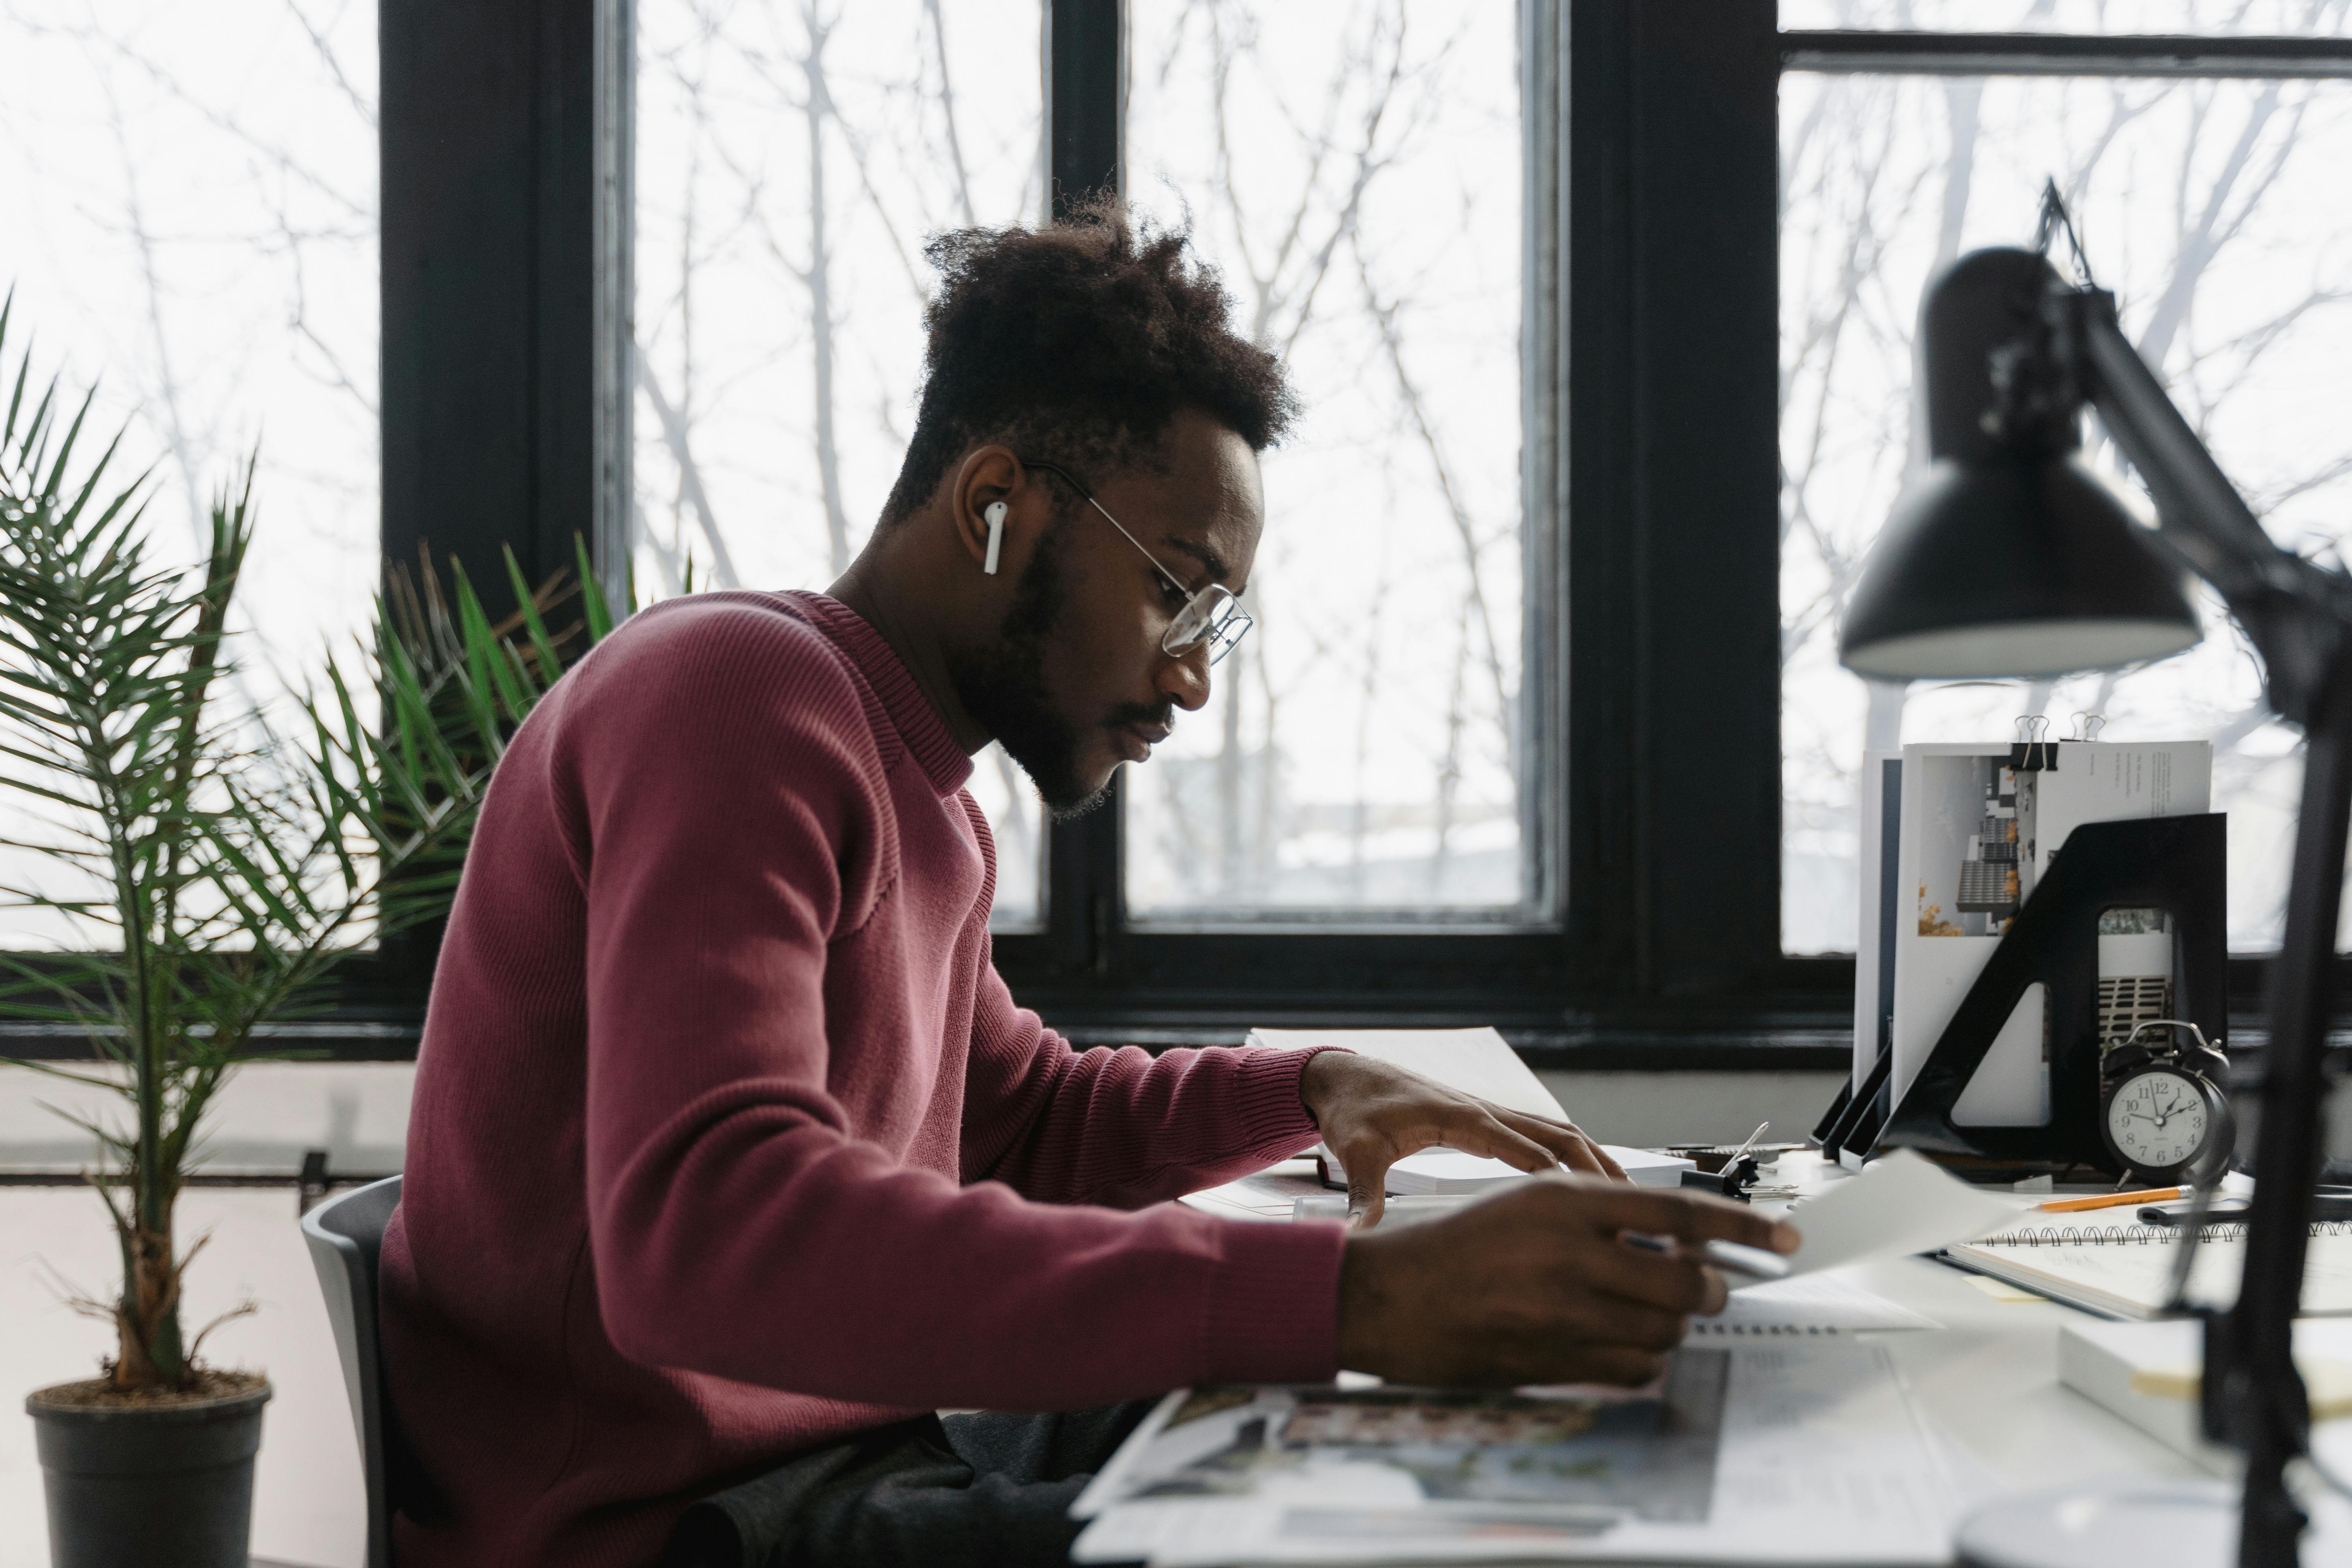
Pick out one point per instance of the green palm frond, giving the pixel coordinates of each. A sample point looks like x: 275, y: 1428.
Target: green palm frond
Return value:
x: 228, y: 867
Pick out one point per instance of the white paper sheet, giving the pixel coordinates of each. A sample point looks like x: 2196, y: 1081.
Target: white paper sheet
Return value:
x: 1897, y: 1206
x: 1475, y: 1061
x: 1269, y: 1194
x: 1446, y: 1172
x: 1814, y: 1304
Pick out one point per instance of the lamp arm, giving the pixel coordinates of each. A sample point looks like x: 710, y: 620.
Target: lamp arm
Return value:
x: 2296, y: 612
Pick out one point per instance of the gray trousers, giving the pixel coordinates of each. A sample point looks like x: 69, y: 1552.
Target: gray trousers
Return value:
x: 988, y: 1490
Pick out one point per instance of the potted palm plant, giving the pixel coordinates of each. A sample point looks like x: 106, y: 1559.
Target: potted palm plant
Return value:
x: 226, y: 869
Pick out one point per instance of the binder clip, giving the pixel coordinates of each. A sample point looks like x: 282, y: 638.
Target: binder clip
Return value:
x: 2032, y: 753
x: 1735, y: 1168
x: 1732, y: 1182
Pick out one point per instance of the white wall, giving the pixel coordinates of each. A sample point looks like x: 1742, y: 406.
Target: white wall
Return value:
x: 1646, y: 1109
x: 269, y: 1114
x: 308, y: 1505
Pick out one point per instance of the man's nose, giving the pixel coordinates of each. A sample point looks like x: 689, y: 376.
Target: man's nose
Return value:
x: 1185, y: 679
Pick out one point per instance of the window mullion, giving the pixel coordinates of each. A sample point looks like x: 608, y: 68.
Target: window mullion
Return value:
x: 1086, y: 100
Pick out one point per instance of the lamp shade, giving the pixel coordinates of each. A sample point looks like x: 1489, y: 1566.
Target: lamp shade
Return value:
x: 2008, y: 556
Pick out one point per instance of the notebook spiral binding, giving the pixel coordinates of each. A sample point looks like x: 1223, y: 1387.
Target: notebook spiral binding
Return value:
x: 2138, y: 1234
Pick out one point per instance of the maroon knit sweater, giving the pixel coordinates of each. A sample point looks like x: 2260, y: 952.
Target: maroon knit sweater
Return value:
x: 728, y: 1140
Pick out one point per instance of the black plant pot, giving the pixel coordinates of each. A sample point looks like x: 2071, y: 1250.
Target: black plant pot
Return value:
x: 167, y: 1486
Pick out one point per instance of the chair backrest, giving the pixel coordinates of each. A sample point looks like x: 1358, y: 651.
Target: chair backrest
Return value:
x: 346, y: 1236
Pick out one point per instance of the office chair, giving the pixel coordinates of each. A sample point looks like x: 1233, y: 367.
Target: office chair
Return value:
x: 346, y: 1235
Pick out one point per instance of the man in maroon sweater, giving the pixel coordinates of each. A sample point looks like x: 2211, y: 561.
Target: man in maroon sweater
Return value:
x: 731, y: 1159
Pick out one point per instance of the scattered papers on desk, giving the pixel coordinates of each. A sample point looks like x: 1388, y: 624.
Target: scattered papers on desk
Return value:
x: 1450, y: 1173
x: 1894, y: 1206
x: 1796, y: 1309
x: 1787, y: 1453
x: 1398, y: 1211
x: 1473, y: 1061
x: 1272, y: 1193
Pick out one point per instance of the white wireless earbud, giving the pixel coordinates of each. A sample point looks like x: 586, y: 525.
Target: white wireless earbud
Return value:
x: 994, y: 513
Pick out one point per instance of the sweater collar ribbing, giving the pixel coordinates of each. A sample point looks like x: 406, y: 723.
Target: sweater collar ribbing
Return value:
x: 917, y: 722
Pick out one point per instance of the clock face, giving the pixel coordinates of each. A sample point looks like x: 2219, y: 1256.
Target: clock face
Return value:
x: 2158, y: 1121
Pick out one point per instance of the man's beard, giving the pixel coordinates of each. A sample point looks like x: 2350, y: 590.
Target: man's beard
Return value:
x: 1004, y: 688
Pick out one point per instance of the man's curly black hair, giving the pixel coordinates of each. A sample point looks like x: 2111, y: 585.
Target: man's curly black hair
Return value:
x: 1079, y: 341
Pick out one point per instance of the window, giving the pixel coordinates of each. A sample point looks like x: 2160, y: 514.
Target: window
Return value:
x: 2093, y: 18
x: 1354, y: 171
x: 791, y: 162
x: 191, y: 231
x: 1509, y: 743
x: 2211, y: 205
x: 1526, y: 756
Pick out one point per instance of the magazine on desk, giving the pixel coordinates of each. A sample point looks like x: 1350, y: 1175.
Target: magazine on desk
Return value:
x: 1954, y: 840
x: 1797, y: 1453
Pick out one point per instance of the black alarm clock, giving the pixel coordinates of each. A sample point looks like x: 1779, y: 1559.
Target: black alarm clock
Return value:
x: 2162, y: 1108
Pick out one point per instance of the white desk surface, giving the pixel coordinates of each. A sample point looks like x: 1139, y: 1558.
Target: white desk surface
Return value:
x: 1987, y: 1379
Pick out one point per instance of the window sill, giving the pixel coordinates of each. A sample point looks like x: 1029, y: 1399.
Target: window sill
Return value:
x: 1805, y: 1046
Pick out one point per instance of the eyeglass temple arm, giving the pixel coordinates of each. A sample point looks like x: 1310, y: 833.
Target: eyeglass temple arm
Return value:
x: 1089, y: 496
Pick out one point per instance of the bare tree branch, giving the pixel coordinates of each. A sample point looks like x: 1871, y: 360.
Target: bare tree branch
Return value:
x: 681, y: 450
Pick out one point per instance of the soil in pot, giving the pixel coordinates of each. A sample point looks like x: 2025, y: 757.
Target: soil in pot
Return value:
x: 154, y: 1479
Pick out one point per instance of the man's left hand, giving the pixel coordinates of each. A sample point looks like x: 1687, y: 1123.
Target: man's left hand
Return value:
x: 1373, y: 1114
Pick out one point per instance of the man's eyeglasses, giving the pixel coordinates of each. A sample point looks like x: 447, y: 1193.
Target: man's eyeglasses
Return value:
x: 1213, y: 615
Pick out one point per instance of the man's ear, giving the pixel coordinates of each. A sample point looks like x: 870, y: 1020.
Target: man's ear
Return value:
x: 985, y: 504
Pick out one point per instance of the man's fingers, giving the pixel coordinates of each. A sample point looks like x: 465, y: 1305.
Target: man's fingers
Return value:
x: 1490, y: 1136
x: 1608, y: 1167
x: 1619, y: 1364
x: 1694, y: 1218
x: 1605, y: 1317
x: 1655, y: 1280
x: 1367, y: 1189
x: 1569, y: 1144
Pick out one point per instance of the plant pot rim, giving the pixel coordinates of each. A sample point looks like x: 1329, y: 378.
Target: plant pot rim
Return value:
x: 221, y: 1406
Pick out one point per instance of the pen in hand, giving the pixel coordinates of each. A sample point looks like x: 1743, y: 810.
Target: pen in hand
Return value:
x: 1751, y: 1264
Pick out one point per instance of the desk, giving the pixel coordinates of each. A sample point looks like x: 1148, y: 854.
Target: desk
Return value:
x: 1987, y: 1382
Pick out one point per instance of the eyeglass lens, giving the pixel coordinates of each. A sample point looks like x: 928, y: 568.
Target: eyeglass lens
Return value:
x: 1215, y: 616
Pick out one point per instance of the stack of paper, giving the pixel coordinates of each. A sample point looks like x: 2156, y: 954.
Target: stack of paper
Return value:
x: 1451, y: 1173
x: 2148, y: 1373
x: 1477, y: 1062
x: 1474, y: 1061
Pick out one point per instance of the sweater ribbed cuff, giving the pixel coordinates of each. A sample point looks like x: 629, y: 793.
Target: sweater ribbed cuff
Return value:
x: 1273, y: 1114
x: 1273, y: 1304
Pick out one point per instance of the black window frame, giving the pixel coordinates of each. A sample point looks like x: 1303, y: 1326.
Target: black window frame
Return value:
x: 1897, y: 52
x: 1649, y: 331
x: 1642, y: 618
x: 1648, y: 327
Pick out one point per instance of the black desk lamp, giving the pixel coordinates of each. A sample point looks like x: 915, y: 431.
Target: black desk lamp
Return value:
x: 2010, y: 557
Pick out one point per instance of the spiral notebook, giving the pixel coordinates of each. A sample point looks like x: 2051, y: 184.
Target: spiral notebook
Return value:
x: 2125, y: 1270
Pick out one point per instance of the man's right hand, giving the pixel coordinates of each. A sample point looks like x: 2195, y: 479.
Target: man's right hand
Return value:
x: 1536, y: 1285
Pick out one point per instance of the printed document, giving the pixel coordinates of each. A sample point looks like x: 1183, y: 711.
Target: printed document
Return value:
x: 1804, y: 1452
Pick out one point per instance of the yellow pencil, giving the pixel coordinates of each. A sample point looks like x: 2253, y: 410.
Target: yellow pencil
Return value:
x: 2112, y: 1199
